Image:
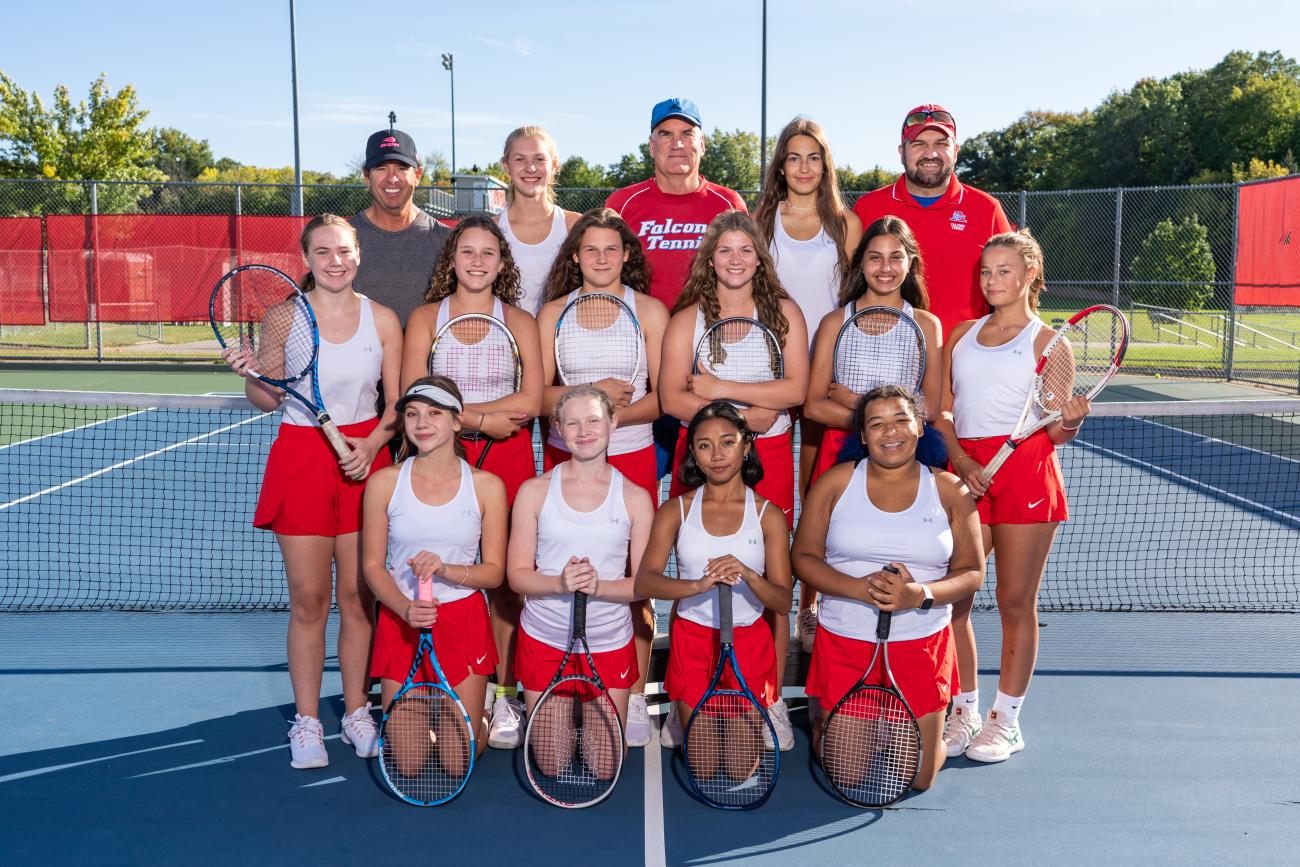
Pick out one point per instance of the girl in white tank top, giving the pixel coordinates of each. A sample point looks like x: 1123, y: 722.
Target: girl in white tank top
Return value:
x: 531, y: 160
x: 577, y: 528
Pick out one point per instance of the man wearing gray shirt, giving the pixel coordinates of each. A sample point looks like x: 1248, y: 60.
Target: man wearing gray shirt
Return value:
x: 399, y: 242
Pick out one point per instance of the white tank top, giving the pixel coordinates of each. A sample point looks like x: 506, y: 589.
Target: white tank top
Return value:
x: 349, y: 376
x: 809, y: 271
x: 452, y: 531
x: 990, y: 383
x: 466, y: 366
x: 861, y: 539
x: 624, y: 439
x: 782, y: 423
x: 602, y: 536
x: 696, y: 546
x: 534, y: 260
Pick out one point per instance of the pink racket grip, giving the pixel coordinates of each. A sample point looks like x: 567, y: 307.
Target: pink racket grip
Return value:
x: 424, y: 589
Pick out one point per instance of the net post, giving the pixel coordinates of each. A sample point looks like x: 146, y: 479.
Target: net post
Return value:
x: 1231, y: 337
x: 94, y: 271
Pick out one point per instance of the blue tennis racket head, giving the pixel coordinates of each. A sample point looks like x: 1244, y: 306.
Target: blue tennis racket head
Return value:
x: 730, y: 745
x: 426, y: 738
x: 261, y: 310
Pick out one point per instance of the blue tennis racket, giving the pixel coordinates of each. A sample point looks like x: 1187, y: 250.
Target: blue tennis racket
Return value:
x: 730, y: 745
x: 261, y: 310
x: 426, y: 739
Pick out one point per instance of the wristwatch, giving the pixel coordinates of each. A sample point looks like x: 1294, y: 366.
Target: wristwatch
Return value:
x: 928, y: 601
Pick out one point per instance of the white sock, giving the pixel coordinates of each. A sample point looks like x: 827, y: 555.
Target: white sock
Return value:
x: 968, y: 700
x: 1008, y: 706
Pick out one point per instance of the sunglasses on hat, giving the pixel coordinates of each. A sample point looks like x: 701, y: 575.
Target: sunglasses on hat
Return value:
x: 927, y: 115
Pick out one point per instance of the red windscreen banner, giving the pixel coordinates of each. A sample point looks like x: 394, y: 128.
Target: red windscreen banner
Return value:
x: 1268, y: 244
x: 157, y: 267
x: 21, y: 301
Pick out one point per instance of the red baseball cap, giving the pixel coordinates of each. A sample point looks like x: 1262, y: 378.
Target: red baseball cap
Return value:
x: 929, y: 116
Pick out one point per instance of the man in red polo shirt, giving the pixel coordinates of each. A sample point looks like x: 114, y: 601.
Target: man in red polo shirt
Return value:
x: 951, y: 221
x: 670, y: 211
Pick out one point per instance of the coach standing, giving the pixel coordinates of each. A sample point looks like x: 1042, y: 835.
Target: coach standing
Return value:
x: 951, y: 221
x: 670, y: 211
x: 399, y: 242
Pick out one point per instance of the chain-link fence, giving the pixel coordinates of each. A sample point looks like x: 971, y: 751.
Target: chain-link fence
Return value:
x: 95, y: 269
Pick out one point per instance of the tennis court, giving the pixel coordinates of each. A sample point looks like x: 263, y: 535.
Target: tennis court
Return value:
x: 1160, y: 726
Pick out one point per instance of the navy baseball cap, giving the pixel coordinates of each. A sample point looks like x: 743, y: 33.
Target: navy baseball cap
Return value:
x: 391, y: 144
x: 675, y: 107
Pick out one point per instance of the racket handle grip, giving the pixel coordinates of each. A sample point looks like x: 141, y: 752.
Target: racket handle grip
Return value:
x: 341, y: 447
x: 725, y: 622
x: 998, y: 460
x: 579, y: 614
x: 885, y: 619
x: 424, y: 589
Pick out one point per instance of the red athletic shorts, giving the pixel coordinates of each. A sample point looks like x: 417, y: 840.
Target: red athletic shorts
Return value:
x: 638, y: 466
x: 511, y: 459
x: 693, y: 655
x: 832, y: 441
x: 536, y: 663
x: 304, y: 493
x: 1029, y: 489
x: 925, y: 669
x: 777, y: 457
x: 462, y: 640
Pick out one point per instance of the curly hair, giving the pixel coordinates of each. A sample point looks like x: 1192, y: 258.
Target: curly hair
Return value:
x: 443, y: 283
x: 565, y: 276
x: 913, y: 287
x: 1031, y: 253
x: 702, y: 284
x: 830, y: 202
x: 308, y: 282
x: 751, y: 471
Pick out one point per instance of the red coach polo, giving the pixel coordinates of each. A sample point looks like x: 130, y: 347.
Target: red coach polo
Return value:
x: 670, y: 228
x: 951, y: 234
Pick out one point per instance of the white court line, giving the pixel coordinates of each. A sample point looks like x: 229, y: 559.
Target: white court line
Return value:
x: 325, y: 782
x: 1217, y: 440
x: 59, y: 433
x: 127, y: 462
x: 1285, y: 517
x: 52, y: 768
x: 655, y: 852
x: 221, y: 761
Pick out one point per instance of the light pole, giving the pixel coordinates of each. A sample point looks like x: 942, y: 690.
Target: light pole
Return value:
x: 450, y: 66
x: 296, y: 205
x: 762, y: 123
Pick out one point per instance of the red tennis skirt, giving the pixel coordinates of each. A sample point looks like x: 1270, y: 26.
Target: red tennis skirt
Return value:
x: 462, y: 641
x: 925, y: 669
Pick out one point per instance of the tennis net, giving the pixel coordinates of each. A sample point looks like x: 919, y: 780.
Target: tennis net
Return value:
x: 144, y: 502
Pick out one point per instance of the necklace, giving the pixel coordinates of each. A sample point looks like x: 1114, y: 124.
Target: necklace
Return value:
x: 790, y: 207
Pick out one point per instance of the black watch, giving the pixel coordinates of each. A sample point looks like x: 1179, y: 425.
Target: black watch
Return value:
x: 928, y: 601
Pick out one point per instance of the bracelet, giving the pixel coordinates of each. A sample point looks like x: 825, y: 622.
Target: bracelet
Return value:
x: 464, y: 566
x: 1076, y: 427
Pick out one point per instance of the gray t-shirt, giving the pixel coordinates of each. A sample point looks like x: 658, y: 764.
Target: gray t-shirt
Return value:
x: 396, y: 266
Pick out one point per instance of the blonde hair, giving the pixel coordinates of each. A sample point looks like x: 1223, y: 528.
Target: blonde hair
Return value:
x: 1031, y: 253
x: 580, y: 392
x: 552, y: 151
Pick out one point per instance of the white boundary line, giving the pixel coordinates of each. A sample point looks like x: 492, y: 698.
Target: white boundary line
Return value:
x: 59, y: 433
x: 36, y: 772
x: 1208, y: 438
x: 655, y: 853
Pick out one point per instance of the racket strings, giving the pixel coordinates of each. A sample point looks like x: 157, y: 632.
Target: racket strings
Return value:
x: 871, y: 748
x: 261, y: 312
x: 574, y: 748
x: 596, y: 339
x: 729, y: 751
x: 478, y: 355
x: 877, y: 348
x: 741, y: 351
x: 427, y: 747
x: 1081, y: 359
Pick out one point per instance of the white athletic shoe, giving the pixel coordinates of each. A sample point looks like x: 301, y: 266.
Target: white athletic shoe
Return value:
x: 780, y: 716
x: 307, y: 743
x: 507, y: 730
x: 359, y: 730
x: 670, y: 733
x: 960, y: 729
x: 805, y: 628
x: 996, y: 741
x: 638, y: 721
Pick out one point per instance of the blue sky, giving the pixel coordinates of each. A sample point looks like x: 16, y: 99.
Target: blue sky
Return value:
x: 589, y: 71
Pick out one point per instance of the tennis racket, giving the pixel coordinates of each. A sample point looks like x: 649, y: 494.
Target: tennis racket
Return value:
x: 260, y: 309
x: 880, y: 346
x: 426, y: 739
x: 479, y: 354
x: 1080, y: 360
x: 739, y: 349
x: 573, y: 746
x: 730, y: 744
x: 598, y: 337
x: 871, y: 746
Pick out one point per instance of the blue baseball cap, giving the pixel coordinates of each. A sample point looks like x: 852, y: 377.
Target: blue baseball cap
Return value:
x: 675, y: 107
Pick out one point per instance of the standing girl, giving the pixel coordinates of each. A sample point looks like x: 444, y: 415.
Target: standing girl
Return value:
x: 312, y: 500
x: 990, y: 369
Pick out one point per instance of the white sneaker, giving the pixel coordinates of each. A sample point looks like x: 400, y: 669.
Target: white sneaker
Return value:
x: 638, y: 721
x: 307, y: 743
x: 359, y: 730
x: 805, y: 628
x: 670, y: 733
x: 507, y: 730
x: 996, y: 741
x: 960, y: 729
x: 780, y: 716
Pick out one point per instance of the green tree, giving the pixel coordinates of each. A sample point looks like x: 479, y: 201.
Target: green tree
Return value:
x: 1175, y: 265
x: 179, y: 156
x: 631, y: 168
x: 578, y: 173
x: 864, y: 182
x: 1033, y: 153
x: 731, y: 159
